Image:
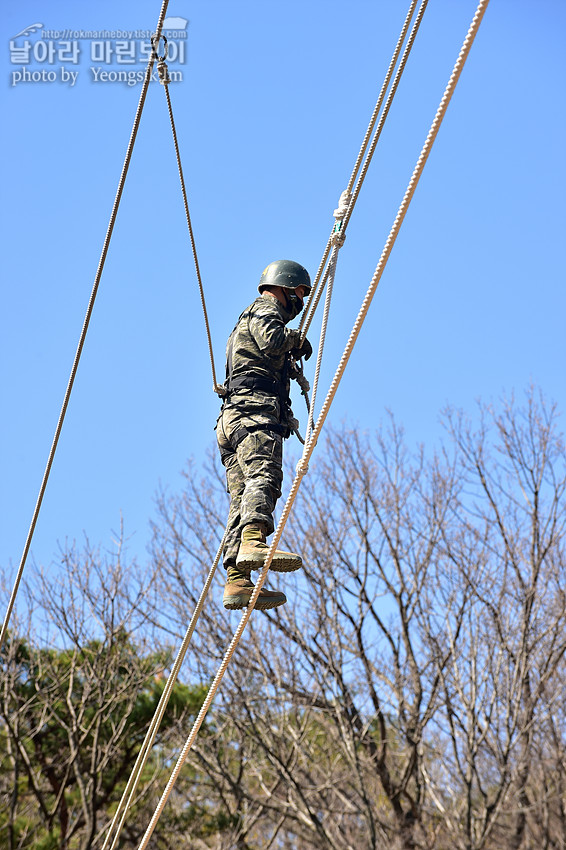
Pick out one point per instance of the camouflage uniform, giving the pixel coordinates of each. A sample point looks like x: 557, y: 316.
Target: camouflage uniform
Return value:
x: 254, y: 418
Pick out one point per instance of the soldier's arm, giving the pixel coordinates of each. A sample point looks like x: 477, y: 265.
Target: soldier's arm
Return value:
x: 270, y: 333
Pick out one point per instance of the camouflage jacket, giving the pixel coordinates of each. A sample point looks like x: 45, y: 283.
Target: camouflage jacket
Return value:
x: 258, y: 348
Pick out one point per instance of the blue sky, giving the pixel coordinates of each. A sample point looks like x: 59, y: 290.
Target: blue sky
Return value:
x: 270, y: 113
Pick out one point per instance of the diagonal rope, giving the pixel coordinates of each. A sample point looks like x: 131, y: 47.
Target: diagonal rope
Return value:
x: 375, y: 140
x: 302, y: 466
x: 217, y: 389
x: 337, y: 239
x: 317, y: 288
x: 386, y: 108
x: 86, y: 323
x: 323, y: 327
x: 127, y: 797
x: 348, y: 202
x: 121, y: 813
x: 144, y: 753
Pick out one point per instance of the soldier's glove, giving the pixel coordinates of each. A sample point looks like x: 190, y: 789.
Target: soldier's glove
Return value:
x: 305, y: 350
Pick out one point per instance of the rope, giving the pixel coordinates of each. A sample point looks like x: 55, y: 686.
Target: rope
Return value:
x: 329, y: 287
x: 86, y: 323
x: 164, y: 79
x: 315, y: 296
x: 338, y: 238
x: 419, y: 167
x: 302, y: 466
x: 377, y: 135
x: 354, y: 197
x: 386, y: 108
x: 143, y: 755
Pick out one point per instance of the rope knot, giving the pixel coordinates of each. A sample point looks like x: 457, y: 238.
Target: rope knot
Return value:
x: 162, y: 68
x: 338, y: 235
x: 302, y: 468
x: 343, y: 204
x: 163, y: 72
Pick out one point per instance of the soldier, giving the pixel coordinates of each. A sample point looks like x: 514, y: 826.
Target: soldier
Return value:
x: 255, y: 419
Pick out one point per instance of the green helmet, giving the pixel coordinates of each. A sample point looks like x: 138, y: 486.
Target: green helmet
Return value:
x: 285, y: 273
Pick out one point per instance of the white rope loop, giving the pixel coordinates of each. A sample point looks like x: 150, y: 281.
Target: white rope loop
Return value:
x: 309, y: 447
x: 338, y: 236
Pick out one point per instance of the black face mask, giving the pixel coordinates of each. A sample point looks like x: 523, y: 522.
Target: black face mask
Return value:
x: 293, y: 306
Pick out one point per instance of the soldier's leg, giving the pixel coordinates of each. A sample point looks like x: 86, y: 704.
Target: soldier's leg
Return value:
x: 239, y: 587
x: 260, y: 456
x: 235, y: 487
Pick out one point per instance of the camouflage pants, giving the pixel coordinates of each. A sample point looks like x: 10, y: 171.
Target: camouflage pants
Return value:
x: 253, y: 472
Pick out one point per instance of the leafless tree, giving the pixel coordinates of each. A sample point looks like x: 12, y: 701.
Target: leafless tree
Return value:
x: 410, y: 695
x: 421, y: 641
x: 497, y: 686
x: 77, y: 695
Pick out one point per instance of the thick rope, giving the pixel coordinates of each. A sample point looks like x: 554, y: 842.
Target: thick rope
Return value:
x: 217, y: 389
x: 354, y: 197
x: 315, y: 296
x: 323, y: 327
x: 338, y: 238
x: 143, y: 755
x: 386, y: 108
x: 86, y: 323
x: 376, y: 137
x: 419, y: 167
x: 302, y: 466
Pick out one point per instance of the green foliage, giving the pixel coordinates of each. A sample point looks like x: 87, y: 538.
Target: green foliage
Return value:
x: 73, y: 724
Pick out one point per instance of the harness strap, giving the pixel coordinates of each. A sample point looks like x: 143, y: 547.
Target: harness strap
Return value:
x: 258, y: 383
x: 242, y: 432
x: 251, y: 382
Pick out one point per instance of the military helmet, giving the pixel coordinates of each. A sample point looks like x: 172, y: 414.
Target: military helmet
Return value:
x: 285, y: 273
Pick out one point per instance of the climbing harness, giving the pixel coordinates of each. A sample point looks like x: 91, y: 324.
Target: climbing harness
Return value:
x: 258, y: 383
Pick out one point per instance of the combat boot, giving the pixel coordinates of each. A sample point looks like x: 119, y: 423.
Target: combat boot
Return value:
x: 239, y: 589
x: 253, y: 550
